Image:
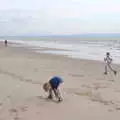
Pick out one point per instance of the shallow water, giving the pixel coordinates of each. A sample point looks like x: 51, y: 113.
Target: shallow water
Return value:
x: 76, y: 48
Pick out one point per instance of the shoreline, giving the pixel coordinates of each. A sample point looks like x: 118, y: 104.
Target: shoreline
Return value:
x: 72, y: 54
x: 29, y: 49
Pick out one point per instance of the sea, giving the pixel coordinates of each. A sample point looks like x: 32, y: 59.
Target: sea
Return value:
x: 76, y: 47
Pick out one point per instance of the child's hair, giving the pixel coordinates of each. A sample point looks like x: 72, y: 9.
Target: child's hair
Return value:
x: 107, y: 53
x: 46, y: 86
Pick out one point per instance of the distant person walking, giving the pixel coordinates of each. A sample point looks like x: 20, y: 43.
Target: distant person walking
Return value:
x: 5, y: 42
x: 108, y: 60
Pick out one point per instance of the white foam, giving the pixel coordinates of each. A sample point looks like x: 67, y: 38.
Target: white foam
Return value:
x: 94, y: 50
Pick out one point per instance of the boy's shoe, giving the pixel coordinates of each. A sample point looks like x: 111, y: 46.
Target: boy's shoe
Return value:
x: 50, y: 97
x: 105, y: 73
x: 60, y: 99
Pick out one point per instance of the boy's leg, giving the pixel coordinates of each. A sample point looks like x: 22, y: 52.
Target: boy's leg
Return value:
x: 109, y: 65
x: 105, y: 69
x: 57, y: 94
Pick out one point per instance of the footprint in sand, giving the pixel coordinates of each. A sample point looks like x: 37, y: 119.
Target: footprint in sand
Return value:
x: 75, y: 75
x: 112, y: 80
x: 1, y: 104
x: 47, y: 100
x: 110, y: 110
x: 13, y: 110
x: 23, y: 108
x: 117, y: 90
x: 35, y: 69
x: 118, y: 108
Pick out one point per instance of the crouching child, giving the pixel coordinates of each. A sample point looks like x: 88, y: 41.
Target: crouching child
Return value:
x: 52, y: 86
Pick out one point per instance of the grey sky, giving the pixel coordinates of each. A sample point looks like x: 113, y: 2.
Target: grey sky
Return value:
x: 21, y: 17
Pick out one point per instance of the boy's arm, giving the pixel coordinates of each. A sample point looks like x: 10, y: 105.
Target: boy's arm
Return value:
x: 111, y: 59
x: 104, y: 59
x: 58, y: 94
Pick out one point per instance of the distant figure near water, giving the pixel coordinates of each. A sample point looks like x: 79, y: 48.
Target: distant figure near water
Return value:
x: 5, y: 42
x: 108, y: 60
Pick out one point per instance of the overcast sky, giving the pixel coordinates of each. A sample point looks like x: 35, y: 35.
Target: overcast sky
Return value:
x: 21, y: 17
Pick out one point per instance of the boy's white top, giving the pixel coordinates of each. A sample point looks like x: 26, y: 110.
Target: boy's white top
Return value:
x: 108, y: 59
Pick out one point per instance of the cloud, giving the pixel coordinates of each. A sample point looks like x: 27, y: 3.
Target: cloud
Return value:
x: 18, y: 17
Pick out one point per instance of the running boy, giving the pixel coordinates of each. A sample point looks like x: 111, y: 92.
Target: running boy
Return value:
x: 53, y: 86
x: 108, y: 61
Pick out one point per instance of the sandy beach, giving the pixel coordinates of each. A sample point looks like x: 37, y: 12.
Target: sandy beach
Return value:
x: 88, y: 94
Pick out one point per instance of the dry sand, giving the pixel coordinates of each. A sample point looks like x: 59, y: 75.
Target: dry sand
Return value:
x: 88, y: 94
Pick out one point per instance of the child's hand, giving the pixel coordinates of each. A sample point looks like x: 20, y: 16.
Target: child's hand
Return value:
x: 104, y: 59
